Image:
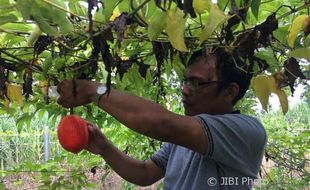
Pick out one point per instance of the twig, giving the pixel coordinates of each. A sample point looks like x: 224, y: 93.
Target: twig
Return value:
x: 140, y: 7
x: 266, y: 2
x: 14, y: 48
x: 17, y: 33
x: 294, y: 10
x: 67, y: 54
x: 34, y: 68
x: 65, y: 10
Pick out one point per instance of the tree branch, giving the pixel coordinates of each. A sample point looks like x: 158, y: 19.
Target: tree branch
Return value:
x: 65, y: 10
x: 140, y: 7
x: 294, y: 10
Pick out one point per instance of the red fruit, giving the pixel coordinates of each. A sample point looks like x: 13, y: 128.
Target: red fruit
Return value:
x: 73, y: 133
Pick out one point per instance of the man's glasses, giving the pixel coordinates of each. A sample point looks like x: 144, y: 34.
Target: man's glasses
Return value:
x: 194, y: 84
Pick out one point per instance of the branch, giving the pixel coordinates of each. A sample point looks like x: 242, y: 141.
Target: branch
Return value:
x: 16, y: 48
x: 294, y: 10
x: 67, y: 11
x: 6, y: 65
x: 140, y: 7
x: 17, y: 33
x: 34, y: 68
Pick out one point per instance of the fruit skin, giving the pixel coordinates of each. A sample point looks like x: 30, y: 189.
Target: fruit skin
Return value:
x: 73, y: 133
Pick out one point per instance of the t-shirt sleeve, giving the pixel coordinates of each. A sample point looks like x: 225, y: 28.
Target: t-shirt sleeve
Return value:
x: 160, y: 158
x: 234, y: 140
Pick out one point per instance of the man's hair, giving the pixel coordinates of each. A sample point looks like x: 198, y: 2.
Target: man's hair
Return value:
x: 230, y: 68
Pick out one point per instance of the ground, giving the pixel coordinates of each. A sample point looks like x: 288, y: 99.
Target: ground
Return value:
x: 25, y: 181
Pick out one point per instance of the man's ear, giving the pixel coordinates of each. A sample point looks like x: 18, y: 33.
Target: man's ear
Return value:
x: 231, y: 92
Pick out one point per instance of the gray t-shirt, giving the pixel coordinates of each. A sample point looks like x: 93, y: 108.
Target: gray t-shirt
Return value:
x: 236, y: 148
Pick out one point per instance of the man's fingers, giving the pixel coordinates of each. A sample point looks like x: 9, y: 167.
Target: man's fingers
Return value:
x: 63, y: 85
x: 65, y: 102
x: 60, y: 87
x: 90, y: 128
x: 60, y: 100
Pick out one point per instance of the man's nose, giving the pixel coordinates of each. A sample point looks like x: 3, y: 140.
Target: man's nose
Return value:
x: 185, y: 90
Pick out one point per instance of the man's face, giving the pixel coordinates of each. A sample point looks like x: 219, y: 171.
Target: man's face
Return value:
x: 199, y: 96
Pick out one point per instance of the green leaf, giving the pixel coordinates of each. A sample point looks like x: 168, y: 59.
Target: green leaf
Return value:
x: 151, y: 8
x: 35, y: 34
x: 178, y: 67
x: 41, y: 113
x: 60, y: 17
x: 99, y: 15
x: 300, y: 53
x: 7, y: 18
x: 47, y: 64
x: 25, y: 7
x: 268, y: 56
x: 45, y: 27
x: 4, y: 3
x: 281, y: 33
x: 77, y: 8
x: 214, y: 20
x: 17, y: 27
x: 222, y: 4
x: 255, y: 7
x: 307, y: 41
x: 157, y: 24
x: 175, y: 29
x: 65, y: 26
x: 295, y: 28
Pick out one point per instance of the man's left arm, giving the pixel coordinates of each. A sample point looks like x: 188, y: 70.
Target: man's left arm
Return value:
x: 138, y: 114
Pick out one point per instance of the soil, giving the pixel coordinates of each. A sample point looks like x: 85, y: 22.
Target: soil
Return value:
x: 28, y: 180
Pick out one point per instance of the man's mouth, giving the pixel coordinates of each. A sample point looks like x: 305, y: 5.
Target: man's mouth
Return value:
x: 185, y: 102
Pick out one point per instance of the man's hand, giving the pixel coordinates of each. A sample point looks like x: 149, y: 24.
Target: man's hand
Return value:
x: 135, y: 171
x: 83, y: 92
x: 97, y: 142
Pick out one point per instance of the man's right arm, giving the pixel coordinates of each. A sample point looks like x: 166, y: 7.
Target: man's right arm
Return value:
x: 139, y: 172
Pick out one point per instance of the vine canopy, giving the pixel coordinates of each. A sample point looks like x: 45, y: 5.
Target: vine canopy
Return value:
x: 124, y: 42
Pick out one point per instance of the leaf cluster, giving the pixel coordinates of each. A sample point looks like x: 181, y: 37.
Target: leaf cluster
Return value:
x: 45, y: 41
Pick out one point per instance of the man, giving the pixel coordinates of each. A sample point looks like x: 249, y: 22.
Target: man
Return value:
x: 211, y: 147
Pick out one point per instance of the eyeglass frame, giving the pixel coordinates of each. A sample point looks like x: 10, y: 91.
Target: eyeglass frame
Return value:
x: 194, y: 87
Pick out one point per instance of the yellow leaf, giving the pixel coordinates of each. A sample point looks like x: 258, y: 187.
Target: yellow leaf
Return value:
x: 6, y: 102
x: 215, y: 19
x: 114, y: 15
x: 175, y: 29
x: 157, y: 24
x: 294, y: 29
x: 43, y: 87
x: 201, y: 5
x: 272, y: 84
x: 281, y: 80
x: 264, y: 85
x: 14, y: 93
x: 283, y: 100
x: 261, y: 85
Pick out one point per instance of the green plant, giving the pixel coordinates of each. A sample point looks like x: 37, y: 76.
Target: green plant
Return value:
x: 288, y: 140
x: 131, y: 45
